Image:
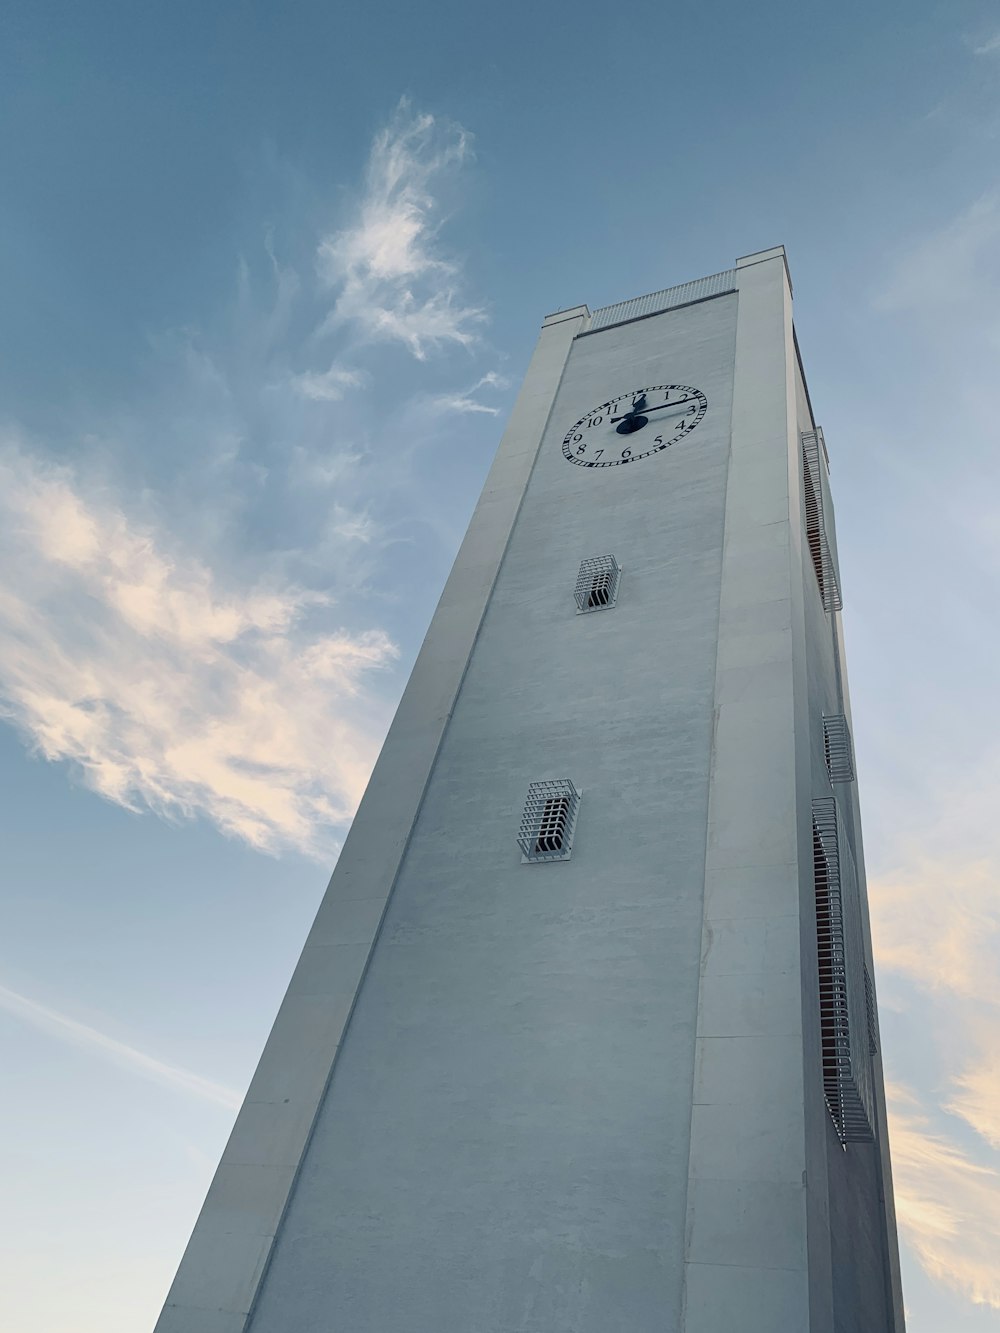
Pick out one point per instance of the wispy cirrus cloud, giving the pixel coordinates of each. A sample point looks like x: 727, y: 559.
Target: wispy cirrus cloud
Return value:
x: 465, y: 400
x: 87, y: 1038
x: 392, y: 280
x: 936, y: 928
x: 936, y: 922
x: 947, y: 1203
x: 952, y: 268
x: 935, y: 898
x: 989, y: 46
x: 328, y: 386
x: 976, y: 1094
x: 168, y: 688
x: 194, y: 636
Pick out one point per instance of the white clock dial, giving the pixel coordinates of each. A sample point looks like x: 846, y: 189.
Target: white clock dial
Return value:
x: 635, y: 425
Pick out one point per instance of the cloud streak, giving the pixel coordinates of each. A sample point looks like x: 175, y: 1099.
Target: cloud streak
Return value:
x: 327, y: 386
x: 936, y: 927
x: 392, y: 281
x: 80, y: 1035
x: 128, y: 648
x: 947, y: 1203
x: 166, y: 686
x: 464, y: 400
x: 977, y: 1096
x: 937, y: 923
x: 951, y: 268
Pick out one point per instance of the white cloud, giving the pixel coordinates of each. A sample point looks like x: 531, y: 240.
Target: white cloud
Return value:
x: 947, y: 1204
x: 118, y: 1052
x: 937, y: 923
x: 328, y: 386
x: 127, y: 648
x: 953, y: 267
x: 391, y: 279
x: 989, y: 47
x: 936, y: 932
x: 168, y: 687
x: 465, y: 401
x: 977, y: 1094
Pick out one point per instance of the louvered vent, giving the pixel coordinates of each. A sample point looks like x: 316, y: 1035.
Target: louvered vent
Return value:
x: 871, y: 1012
x: 546, y: 832
x: 839, y: 751
x: 813, y: 468
x: 597, y: 583
x: 843, y: 999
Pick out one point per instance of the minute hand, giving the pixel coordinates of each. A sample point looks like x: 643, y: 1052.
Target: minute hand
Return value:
x: 657, y: 407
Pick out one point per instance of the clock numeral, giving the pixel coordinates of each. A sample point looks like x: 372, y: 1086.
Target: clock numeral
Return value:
x: 594, y: 421
x: 626, y: 453
x: 581, y: 448
x: 577, y: 438
x: 598, y: 453
x: 658, y: 440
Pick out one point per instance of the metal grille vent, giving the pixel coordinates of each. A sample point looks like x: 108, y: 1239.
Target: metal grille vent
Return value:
x: 843, y: 1000
x: 666, y: 299
x: 597, y: 583
x: 871, y: 1012
x: 816, y: 529
x: 839, y: 751
x: 546, y: 832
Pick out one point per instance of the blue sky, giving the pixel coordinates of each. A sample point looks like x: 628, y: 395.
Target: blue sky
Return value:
x: 271, y: 276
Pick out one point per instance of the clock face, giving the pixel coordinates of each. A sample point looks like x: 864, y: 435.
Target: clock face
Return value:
x: 635, y: 425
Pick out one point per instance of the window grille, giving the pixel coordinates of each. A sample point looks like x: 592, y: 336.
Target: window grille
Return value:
x: 546, y: 831
x: 813, y: 468
x: 597, y: 583
x: 843, y: 1000
x: 871, y: 1012
x: 839, y: 751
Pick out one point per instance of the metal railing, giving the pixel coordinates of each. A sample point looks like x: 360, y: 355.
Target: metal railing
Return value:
x: 686, y: 293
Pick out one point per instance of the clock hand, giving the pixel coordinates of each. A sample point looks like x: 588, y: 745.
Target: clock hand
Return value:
x: 635, y: 411
x: 638, y: 407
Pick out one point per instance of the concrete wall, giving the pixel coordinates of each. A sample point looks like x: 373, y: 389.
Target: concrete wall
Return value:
x: 504, y: 1143
x: 219, y: 1275
x: 585, y: 1096
x: 747, y: 1258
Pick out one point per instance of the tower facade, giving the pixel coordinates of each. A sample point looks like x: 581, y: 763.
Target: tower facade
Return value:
x: 584, y: 1038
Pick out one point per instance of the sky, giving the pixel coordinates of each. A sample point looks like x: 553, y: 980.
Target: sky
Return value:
x: 271, y: 276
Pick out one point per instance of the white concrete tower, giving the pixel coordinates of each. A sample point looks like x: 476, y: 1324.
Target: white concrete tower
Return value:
x: 583, y: 1039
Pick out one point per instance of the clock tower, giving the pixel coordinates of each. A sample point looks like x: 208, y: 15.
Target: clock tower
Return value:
x: 584, y: 1037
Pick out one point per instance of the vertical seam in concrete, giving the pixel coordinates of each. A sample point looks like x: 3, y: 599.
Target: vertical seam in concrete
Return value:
x: 708, y: 799
x: 760, y: 422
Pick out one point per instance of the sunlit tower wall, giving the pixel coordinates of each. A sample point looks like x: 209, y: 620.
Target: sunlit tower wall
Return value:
x: 584, y: 1036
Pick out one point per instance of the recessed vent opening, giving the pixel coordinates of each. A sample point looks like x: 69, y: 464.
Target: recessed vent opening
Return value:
x: 552, y: 829
x: 597, y: 583
x: 546, y: 831
x: 843, y: 1002
x: 600, y: 591
x: 816, y: 534
x: 839, y: 751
